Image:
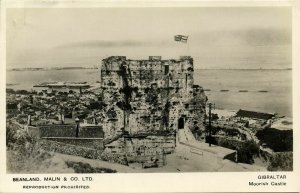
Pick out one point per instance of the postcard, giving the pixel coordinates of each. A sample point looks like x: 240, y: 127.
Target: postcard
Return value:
x: 147, y: 96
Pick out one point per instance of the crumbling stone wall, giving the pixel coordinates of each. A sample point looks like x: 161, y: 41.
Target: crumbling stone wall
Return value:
x: 71, y: 149
x: 94, y: 143
x: 116, y: 158
x: 140, y: 149
x: 150, y: 145
x: 146, y: 145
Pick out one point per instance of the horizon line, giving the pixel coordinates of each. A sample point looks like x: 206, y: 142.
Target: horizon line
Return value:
x: 93, y: 67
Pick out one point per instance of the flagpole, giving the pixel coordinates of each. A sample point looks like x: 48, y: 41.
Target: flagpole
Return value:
x: 188, y: 47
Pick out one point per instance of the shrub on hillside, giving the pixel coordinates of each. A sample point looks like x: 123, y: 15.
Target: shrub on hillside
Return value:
x: 80, y: 167
x: 277, y: 140
x: 282, y: 161
x: 24, y: 154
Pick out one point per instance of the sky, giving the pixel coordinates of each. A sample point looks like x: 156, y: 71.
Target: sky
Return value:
x: 219, y: 37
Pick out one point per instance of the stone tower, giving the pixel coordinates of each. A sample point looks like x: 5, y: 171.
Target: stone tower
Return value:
x: 151, y: 95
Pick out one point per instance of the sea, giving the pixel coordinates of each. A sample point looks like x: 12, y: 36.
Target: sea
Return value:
x: 263, y: 90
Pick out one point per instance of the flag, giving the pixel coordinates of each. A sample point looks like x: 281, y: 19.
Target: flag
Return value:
x: 181, y: 38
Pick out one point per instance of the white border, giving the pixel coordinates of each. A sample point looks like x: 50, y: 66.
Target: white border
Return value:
x: 160, y: 182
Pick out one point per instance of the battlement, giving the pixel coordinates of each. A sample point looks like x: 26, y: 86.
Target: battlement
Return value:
x: 113, y: 62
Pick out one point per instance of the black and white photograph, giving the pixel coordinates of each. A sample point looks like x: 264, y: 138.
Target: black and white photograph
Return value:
x: 149, y: 90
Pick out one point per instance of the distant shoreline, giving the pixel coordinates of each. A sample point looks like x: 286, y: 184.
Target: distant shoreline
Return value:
x: 85, y: 68
x: 54, y: 68
x: 244, y: 69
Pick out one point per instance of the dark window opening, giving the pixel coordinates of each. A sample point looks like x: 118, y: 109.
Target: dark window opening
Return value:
x: 181, y: 123
x: 166, y: 69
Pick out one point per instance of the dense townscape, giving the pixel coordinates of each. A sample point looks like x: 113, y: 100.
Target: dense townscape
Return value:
x: 144, y: 114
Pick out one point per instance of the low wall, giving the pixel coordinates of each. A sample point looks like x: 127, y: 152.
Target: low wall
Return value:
x: 64, y: 148
x: 91, y: 131
x: 57, y: 130
x: 66, y: 131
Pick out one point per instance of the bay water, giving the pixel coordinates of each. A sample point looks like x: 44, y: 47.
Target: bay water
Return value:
x: 229, y: 89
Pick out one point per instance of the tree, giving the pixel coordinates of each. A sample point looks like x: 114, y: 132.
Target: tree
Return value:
x: 11, y: 135
x: 247, y: 152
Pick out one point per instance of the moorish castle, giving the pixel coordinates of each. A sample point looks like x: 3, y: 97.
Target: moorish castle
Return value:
x: 150, y: 95
x: 146, y: 103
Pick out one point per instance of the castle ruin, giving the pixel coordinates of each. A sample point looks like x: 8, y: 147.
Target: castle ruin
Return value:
x: 142, y: 96
x: 149, y: 99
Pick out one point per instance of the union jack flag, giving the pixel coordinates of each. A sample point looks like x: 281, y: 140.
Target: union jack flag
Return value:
x: 181, y: 38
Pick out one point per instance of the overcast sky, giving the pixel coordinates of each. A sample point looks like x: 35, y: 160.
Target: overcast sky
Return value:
x: 218, y: 37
